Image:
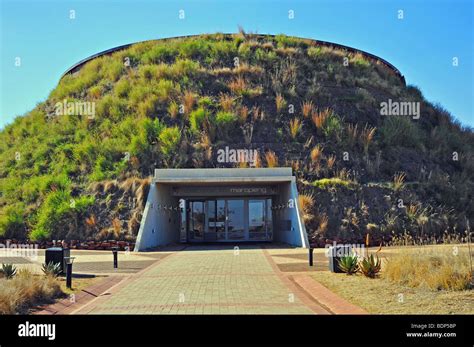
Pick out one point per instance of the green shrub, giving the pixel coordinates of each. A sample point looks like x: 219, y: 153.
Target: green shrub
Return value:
x: 161, y: 52
x: 399, y: 131
x: 332, y: 126
x: 166, y: 89
x: 111, y: 107
x: 122, y: 88
x: 225, y: 118
x: 139, y: 145
x: 224, y: 122
x: 169, y: 140
x: 102, y: 168
x: 206, y: 102
x: 284, y: 41
x: 152, y: 129
x: 56, y: 213
x: 184, y: 67
x: 314, y: 52
x: 12, y: 223
x: 148, y: 72
x: 139, y: 93
x: 147, y: 107
x: 324, y: 183
x: 197, y: 118
x: 113, y: 69
x: 52, y: 183
x: 195, y: 48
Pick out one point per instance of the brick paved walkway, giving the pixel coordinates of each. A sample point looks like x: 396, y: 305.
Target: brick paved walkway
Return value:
x: 207, y: 280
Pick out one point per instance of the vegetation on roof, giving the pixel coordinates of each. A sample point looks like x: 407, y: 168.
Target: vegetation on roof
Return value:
x: 172, y: 103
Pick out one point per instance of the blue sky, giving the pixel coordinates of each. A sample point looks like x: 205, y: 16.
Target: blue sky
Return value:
x: 421, y: 46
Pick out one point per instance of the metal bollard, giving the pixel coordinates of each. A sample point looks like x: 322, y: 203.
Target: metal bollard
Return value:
x: 311, y: 256
x: 69, y: 261
x: 115, y: 253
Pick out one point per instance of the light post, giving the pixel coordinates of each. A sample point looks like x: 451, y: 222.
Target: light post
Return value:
x: 115, y: 253
x: 69, y: 261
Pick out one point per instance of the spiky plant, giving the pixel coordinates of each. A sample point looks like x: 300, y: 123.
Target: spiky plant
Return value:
x: 51, y: 269
x: 366, y: 136
x: 8, y: 270
x: 349, y: 264
x: 399, y: 181
x: 370, y: 266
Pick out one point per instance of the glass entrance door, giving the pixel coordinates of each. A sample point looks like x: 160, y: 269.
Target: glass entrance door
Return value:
x: 260, y: 220
x: 246, y: 219
x: 235, y: 220
x: 196, y: 220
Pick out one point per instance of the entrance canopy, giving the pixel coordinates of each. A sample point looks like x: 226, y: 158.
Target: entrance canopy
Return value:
x: 223, y: 176
x: 221, y: 205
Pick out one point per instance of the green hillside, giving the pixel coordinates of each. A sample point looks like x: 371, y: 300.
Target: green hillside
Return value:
x: 78, y: 176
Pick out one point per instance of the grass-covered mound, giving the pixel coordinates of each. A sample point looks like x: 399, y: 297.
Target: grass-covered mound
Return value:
x: 173, y: 103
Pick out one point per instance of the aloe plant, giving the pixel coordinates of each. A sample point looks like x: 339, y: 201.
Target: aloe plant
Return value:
x: 51, y: 269
x: 8, y: 270
x: 349, y: 264
x: 370, y: 266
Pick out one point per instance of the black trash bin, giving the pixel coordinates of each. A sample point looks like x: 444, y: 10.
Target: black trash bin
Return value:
x: 56, y: 255
x: 335, y: 253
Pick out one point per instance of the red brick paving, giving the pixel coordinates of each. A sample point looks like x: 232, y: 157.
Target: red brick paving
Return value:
x: 67, y: 306
x: 333, y: 302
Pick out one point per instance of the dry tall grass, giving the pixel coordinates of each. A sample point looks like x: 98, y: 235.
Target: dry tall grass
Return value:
x: 399, y: 181
x: 306, y: 203
x: 316, y: 153
x: 307, y: 108
x: 173, y: 109
x: 243, y: 114
x: 330, y: 161
x: 226, y: 102
x: 366, y: 137
x: 188, y: 101
x: 295, y: 127
x: 279, y: 102
x: 319, y: 118
x: 271, y: 158
x: 352, y: 133
x: 238, y: 85
x: 25, y: 290
x: 436, y: 269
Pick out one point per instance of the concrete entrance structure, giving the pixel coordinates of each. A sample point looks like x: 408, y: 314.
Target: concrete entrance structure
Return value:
x: 221, y: 205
